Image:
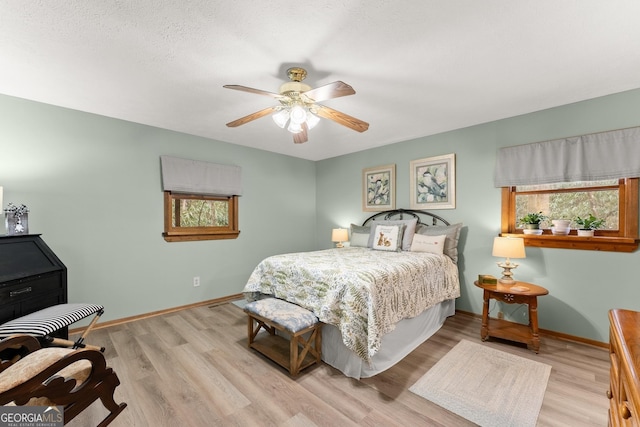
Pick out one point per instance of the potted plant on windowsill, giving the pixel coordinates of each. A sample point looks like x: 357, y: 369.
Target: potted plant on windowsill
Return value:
x: 588, y: 225
x: 531, y: 222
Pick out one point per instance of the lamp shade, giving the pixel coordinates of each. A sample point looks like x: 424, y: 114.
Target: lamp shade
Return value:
x: 339, y: 235
x: 508, y: 247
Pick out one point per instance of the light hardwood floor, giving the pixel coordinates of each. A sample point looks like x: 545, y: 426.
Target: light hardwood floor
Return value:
x: 192, y: 368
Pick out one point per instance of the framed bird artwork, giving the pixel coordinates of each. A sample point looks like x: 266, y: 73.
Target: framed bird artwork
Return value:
x: 379, y: 188
x: 433, y: 182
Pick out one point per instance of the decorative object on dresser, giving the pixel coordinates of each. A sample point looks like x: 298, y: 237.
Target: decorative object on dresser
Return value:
x: 517, y: 293
x: 32, y: 277
x: 624, y: 353
x: 16, y: 219
x: 339, y: 235
x: 508, y: 247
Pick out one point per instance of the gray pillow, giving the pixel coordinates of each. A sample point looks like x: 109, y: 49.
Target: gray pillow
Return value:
x: 407, y: 235
x: 450, y: 243
x: 359, y: 240
x: 360, y: 236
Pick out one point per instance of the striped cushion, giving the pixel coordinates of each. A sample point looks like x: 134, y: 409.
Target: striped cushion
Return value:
x: 291, y: 317
x: 49, y: 320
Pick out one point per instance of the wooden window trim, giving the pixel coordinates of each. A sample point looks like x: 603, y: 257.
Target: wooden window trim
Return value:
x: 623, y: 240
x: 180, y: 234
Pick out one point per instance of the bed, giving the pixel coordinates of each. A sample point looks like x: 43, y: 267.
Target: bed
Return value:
x: 380, y: 297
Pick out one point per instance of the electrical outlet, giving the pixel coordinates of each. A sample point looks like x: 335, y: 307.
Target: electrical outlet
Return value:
x: 500, y: 315
x: 196, y: 281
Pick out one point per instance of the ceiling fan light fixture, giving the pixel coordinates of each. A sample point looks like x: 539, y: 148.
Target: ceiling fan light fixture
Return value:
x: 281, y: 118
x: 298, y: 109
x: 312, y: 120
x: 294, y: 127
x: 298, y: 115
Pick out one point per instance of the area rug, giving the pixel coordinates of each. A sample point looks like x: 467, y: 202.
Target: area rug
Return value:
x: 486, y: 386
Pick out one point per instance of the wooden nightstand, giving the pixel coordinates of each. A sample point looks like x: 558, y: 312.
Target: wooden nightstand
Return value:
x: 504, y: 329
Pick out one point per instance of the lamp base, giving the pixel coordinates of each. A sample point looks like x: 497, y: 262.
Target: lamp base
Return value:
x: 507, y: 275
x: 339, y: 245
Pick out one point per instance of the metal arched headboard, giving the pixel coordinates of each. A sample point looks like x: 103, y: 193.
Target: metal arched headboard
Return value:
x: 408, y: 214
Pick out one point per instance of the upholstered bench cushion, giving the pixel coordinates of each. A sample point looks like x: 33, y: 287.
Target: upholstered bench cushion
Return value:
x: 49, y: 319
x: 291, y: 317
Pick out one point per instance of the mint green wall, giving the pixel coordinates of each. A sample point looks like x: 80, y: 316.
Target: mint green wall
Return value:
x: 93, y: 187
x: 583, y: 285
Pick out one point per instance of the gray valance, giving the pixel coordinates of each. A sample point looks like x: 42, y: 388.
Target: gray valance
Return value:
x: 197, y: 177
x: 605, y: 155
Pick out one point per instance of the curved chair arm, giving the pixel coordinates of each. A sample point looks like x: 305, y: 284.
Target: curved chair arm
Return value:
x: 48, y: 383
x: 15, y: 347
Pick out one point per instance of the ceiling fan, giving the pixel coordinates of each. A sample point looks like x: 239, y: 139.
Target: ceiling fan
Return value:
x: 298, y: 109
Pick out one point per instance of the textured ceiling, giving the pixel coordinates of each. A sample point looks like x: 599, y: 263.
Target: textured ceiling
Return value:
x: 418, y: 67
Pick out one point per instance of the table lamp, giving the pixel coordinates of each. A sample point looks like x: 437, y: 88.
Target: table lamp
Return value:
x: 508, y: 247
x: 339, y: 235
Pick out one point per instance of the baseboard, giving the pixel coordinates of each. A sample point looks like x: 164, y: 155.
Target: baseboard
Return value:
x: 234, y: 297
x: 124, y: 320
x: 558, y: 335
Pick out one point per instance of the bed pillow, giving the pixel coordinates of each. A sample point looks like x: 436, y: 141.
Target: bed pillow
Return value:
x: 388, y: 237
x: 360, y: 236
x: 431, y: 244
x: 451, y: 242
x: 359, y: 240
x: 407, y: 235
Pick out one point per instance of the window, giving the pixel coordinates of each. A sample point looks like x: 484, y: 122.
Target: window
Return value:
x: 614, y: 200
x: 190, y: 217
x: 191, y: 210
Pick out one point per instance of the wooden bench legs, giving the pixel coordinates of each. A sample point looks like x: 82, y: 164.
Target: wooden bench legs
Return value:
x: 302, y: 350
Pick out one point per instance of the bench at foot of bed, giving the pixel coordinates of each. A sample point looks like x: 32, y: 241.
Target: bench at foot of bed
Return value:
x: 303, y: 348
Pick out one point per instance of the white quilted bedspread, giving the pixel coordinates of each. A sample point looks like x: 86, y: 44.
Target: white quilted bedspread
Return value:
x: 361, y: 291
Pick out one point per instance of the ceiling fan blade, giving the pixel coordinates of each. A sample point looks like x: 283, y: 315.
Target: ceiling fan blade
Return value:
x: 342, y: 118
x: 301, y: 137
x: 251, y: 117
x: 252, y: 90
x: 329, y: 91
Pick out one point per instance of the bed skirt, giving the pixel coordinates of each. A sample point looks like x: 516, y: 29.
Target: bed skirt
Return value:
x: 406, y: 337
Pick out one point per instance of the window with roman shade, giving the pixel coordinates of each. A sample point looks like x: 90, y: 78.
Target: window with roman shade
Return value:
x: 598, y: 156
x: 604, y: 163
x: 200, y: 199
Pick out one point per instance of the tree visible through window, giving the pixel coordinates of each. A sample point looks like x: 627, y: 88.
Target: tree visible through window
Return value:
x: 198, y: 217
x: 615, y: 201
x: 568, y: 200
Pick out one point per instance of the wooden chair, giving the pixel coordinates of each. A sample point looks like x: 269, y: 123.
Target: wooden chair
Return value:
x: 54, y: 376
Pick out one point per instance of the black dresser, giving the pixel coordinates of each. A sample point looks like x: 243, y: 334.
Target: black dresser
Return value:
x: 32, y: 277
